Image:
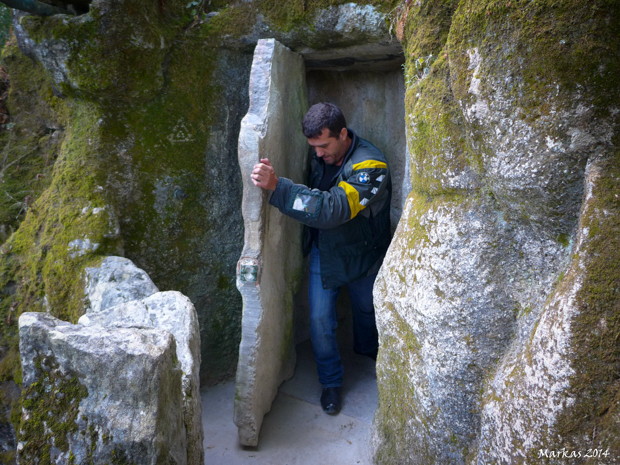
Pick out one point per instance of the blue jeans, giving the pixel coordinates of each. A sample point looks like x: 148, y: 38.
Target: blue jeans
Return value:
x: 324, y: 321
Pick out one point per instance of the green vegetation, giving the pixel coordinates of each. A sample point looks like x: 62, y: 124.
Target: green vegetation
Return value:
x: 29, y: 141
x: 51, y: 414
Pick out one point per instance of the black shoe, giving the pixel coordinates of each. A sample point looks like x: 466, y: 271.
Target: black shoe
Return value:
x: 330, y: 400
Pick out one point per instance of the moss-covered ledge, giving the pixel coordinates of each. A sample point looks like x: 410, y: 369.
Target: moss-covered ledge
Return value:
x: 30, y: 137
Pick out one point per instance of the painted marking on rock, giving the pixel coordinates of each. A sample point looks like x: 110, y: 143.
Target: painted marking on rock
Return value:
x: 180, y: 133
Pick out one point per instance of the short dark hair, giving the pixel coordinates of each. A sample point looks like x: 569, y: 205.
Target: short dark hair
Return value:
x: 323, y: 115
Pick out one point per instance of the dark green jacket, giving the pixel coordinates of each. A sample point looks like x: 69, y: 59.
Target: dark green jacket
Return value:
x: 353, y: 216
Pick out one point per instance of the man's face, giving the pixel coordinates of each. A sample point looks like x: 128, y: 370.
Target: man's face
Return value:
x: 331, y: 149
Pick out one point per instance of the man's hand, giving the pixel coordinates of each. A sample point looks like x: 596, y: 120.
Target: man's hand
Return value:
x: 264, y: 175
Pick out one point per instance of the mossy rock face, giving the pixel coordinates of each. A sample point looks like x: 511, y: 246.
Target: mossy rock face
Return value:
x: 178, y: 189
x: 113, y: 53
x: 535, y: 82
x: 561, y: 385
x: 511, y: 138
x: 30, y: 140
x: 458, y: 279
x: 164, y: 134
x: 40, y: 268
x: 51, y: 407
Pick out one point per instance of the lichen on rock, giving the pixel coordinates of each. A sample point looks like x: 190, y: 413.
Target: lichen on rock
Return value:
x: 508, y: 139
x: 94, y: 394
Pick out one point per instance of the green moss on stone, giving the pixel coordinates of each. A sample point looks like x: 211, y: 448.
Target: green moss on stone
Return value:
x: 437, y: 134
x: 37, y: 271
x: 8, y: 457
x: 115, y: 54
x: 238, y: 18
x: 30, y: 145
x: 286, y: 15
x: 40, y: 270
x: 564, y: 239
x: 596, y: 328
x: 397, y: 417
x: 119, y: 457
x: 10, y: 367
x: 172, y: 167
x: 51, y: 405
x: 558, y: 48
x: 41, y: 254
x: 234, y: 20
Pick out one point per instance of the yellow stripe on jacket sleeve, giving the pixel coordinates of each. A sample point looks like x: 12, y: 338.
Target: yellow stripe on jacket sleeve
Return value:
x: 353, y: 197
x: 369, y: 164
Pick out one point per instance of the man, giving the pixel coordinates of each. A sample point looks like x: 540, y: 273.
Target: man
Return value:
x: 346, y: 208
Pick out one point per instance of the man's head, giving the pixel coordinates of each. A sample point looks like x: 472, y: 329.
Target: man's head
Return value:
x: 326, y: 129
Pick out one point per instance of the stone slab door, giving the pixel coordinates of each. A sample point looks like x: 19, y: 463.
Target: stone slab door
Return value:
x: 271, y: 264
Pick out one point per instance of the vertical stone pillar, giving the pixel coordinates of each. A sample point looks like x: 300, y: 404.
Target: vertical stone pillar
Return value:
x: 270, y: 267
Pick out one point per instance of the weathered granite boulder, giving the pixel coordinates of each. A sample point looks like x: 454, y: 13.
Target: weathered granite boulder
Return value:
x: 99, y: 394
x: 173, y: 312
x: 114, y: 282
x: 555, y: 394
x: 497, y: 304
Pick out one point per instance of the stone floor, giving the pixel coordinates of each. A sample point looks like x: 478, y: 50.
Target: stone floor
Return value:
x: 296, y: 431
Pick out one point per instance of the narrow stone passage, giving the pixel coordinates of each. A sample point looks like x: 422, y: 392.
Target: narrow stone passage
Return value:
x: 296, y: 431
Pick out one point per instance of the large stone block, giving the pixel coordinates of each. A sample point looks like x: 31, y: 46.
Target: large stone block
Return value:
x: 173, y: 312
x: 447, y: 301
x: 117, y: 280
x: 270, y: 267
x: 99, y: 394
x: 556, y: 394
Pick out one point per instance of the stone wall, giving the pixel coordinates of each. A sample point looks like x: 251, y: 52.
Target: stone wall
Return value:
x: 495, y: 310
